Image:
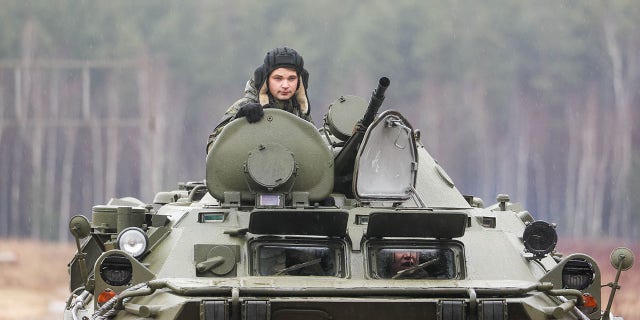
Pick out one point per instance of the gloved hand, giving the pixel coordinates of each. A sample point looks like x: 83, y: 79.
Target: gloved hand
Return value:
x: 252, y: 111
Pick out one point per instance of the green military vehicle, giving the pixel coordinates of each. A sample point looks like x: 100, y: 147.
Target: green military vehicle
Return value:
x: 354, y: 220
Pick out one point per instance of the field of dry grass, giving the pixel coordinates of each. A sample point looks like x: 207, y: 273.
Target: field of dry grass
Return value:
x: 35, y: 285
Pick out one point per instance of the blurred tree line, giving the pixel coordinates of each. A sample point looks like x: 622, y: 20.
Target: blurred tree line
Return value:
x: 102, y: 99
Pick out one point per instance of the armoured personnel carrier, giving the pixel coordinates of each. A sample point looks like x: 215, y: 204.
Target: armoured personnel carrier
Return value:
x: 354, y: 220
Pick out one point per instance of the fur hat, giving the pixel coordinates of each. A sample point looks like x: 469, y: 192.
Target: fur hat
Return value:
x: 283, y: 57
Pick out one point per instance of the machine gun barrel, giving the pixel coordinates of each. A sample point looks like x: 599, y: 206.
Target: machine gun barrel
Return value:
x: 376, y: 101
x: 345, y: 160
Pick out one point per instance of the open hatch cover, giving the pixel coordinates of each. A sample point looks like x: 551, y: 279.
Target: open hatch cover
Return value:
x: 386, y: 163
x: 440, y: 225
x: 330, y: 223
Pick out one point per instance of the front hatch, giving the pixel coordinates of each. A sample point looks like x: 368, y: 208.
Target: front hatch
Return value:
x: 386, y: 163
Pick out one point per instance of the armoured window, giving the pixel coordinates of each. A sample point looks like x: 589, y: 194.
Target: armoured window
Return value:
x: 427, y: 260
x: 322, y: 258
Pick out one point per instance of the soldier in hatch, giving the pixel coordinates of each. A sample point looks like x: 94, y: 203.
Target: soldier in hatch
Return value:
x: 280, y: 82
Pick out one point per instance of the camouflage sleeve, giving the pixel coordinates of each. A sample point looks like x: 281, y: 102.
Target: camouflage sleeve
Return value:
x: 250, y: 95
x: 226, y: 118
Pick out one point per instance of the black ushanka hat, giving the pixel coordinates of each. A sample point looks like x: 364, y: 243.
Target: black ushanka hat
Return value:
x: 284, y: 57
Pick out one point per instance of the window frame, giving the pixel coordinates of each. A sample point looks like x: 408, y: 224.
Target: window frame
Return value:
x: 342, y: 269
x: 372, y: 246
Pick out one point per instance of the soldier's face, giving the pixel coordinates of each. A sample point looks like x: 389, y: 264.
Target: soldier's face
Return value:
x: 283, y: 83
x: 403, y: 260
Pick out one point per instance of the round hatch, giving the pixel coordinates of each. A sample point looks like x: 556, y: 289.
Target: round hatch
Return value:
x: 343, y: 115
x: 270, y: 165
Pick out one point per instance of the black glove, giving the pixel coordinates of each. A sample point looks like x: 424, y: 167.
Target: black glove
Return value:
x: 252, y: 111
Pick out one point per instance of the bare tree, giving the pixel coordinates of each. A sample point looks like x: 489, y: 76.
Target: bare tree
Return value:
x: 66, y: 182
x: 112, y: 141
x: 625, y: 72
x: 50, y: 183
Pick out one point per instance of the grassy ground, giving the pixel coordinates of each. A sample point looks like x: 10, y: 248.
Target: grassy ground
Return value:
x: 35, y: 284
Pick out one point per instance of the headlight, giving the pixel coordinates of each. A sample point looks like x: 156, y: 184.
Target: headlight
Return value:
x: 577, y: 274
x: 133, y: 241
x: 116, y: 270
x: 540, y: 238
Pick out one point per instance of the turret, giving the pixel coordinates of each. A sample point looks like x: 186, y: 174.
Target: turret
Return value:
x: 279, y: 160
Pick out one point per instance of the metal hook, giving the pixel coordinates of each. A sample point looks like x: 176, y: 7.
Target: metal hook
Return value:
x: 395, y: 122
